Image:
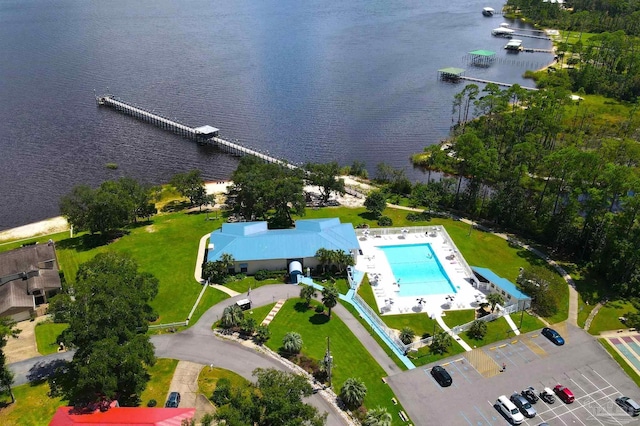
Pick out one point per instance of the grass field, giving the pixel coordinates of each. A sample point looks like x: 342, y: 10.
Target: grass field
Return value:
x: 526, y: 322
x: 209, y: 377
x: 33, y: 406
x: 608, y: 316
x: 351, y: 359
x: 46, y: 335
x: 158, y: 387
x: 167, y: 248
x: 496, y: 330
x: 424, y: 356
x: 459, y: 317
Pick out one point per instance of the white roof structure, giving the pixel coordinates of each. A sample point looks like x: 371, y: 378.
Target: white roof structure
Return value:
x: 206, y: 130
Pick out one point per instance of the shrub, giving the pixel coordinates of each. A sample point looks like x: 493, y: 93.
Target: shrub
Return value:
x: 222, y: 394
x: 152, y: 403
x: 261, y: 275
x: 407, y: 335
x: 418, y: 217
x: 477, y: 330
x: 292, y: 343
x: 207, y: 419
x: 262, y: 334
x: 385, y: 221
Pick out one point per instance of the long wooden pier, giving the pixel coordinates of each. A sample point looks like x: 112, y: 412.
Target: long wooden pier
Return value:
x: 202, y: 134
x: 480, y: 80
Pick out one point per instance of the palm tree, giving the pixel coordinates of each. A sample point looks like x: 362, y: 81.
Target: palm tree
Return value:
x: 440, y: 343
x: 292, y: 343
x: 406, y: 335
x: 353, y: 392
x: 330, y: 297
x: 324, y: 257
x: 343, y: 259
x: 307, y: 292
x: 378, y: 416
x: 231, y: 316
x: 227, y: 261
x: 495, y: 299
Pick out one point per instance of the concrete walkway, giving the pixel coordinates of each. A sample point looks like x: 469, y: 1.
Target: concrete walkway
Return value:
x: 453, y: 335
x: 197, y: 274
x: 24, y: 346
x: 185, y: 381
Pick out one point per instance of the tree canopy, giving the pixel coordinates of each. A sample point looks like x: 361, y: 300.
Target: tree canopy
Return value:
x: 7, y: 329
x: 275, y: 399
x: 266, y: 191
x: 324, y: 176
x: 113, y: 205
x: 191, y: 186
x: 108, y: 318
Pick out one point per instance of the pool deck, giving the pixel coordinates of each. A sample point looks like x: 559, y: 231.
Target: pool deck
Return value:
x: 374, y: 263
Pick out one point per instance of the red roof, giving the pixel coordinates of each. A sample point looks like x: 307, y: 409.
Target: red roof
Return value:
x: 129, y: 416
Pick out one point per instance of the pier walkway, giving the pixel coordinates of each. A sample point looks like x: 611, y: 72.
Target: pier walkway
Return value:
x: 203, y: 134
x: 481, y: 80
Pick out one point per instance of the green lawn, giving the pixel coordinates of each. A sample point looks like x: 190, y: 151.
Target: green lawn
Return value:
x: 208, y: 379
x: 10, y: 245
x: 158, y: 387
x: 420, y: 323
x: 351, y: 359
x: 424, y: 356
x: 607, y: 317
x: 46, y: 335
x: 526, y: 322
x: 623, y: 364
x: 167, y: 248
x: 33, y: 406
x: 210, y: 298
x: 496, y: 330
x: 241, y: 286
x: 459, y: 317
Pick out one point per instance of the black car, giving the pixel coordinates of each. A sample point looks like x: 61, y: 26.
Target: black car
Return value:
x: 553, y: 335
x: 173, y: 401
x: 530, y: 394
x: 442, y: 376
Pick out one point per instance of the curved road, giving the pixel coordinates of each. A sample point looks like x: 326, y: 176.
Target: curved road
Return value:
x: 199, y: 344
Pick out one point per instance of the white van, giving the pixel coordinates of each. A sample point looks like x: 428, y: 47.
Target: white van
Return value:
x: 509, y: 410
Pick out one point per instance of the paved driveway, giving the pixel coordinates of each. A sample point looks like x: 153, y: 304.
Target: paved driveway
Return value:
x: 531, y: 360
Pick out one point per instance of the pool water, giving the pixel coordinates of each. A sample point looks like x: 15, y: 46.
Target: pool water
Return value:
x: 417, y: 270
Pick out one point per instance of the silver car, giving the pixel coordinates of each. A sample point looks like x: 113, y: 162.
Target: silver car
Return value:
x: 523, y: 405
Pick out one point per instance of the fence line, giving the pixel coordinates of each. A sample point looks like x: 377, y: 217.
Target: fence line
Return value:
x: 168, y: 325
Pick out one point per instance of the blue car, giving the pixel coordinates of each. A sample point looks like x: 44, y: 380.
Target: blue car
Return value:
x: 553, y: 335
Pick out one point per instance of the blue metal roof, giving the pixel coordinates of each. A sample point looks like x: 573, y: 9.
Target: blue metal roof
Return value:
x: 247, y: 241
x: 503, y: 283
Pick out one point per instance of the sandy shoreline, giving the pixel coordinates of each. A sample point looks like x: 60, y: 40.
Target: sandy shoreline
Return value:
x: 60, y: 224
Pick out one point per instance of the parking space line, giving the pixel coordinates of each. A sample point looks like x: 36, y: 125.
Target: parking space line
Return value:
x: 465, y: 417
x: 428, y: 373
x: 534, y: 347
x: 460, y: 371
x: 507, y: 357
x: 587, y: 395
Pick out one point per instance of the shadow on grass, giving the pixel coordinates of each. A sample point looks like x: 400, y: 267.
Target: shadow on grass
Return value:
x: 318, y: 319
x: 301, y: 307
x: 88, y: 242
x: 368, y: 216
x: 175, y: 206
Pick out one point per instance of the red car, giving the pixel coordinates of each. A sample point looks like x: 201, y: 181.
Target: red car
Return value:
x: 564, y: 394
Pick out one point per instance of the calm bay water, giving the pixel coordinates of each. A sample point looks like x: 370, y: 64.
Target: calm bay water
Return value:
x: 306, y: 81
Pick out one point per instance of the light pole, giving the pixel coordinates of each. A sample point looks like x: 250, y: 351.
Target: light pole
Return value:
x: 328, y: 360
x: 521, y: 314
x: 433, y: 317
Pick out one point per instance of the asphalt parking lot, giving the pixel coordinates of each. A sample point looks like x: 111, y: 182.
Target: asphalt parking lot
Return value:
x: 581, y: 364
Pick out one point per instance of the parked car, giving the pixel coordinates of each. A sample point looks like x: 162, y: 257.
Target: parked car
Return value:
x: 553, y: 335
x: 441, y: 376
x: 564, y: 394
x: 509, y: 410
x: 523, y: 405
x: 628, y: 405
x: 530, y: 394
x: 547, y: 396
x: 173, y: 401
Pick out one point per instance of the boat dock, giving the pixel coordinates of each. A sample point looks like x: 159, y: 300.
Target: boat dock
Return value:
x: 480, y: 80
x: 457, y: 74
x: 202, y: 134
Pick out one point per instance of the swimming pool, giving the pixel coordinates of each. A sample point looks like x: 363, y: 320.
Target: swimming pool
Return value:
x: 417, y: 270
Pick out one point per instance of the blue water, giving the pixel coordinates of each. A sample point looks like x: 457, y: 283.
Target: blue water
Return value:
x: 306, y: 81
x: 418, y: 271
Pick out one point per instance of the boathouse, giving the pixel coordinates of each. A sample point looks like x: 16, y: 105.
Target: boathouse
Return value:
x: 482, y: 57
x: 451, y: 73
